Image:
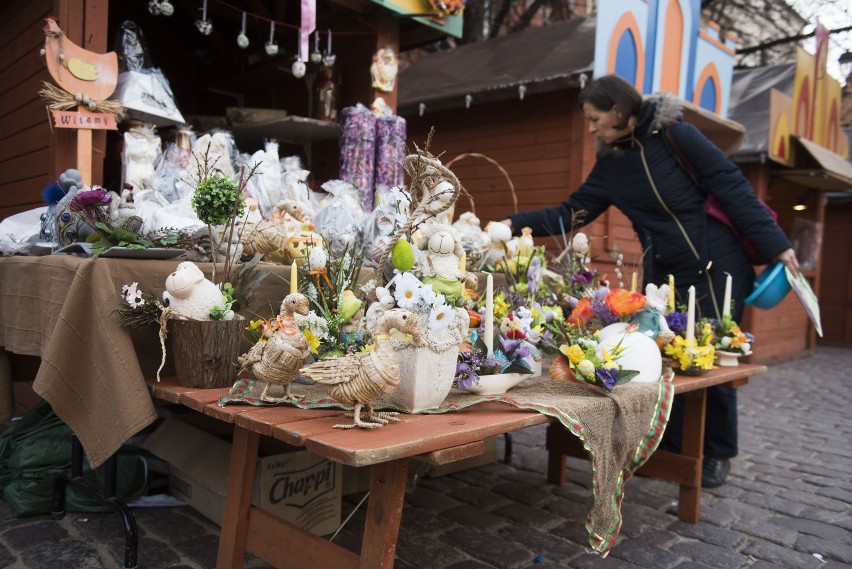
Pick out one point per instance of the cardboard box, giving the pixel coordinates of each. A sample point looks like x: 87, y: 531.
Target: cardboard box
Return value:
x: 294, y: 485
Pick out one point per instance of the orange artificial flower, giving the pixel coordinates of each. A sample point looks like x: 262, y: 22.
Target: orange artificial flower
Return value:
x: 582, y: 313
x: 622, y: 301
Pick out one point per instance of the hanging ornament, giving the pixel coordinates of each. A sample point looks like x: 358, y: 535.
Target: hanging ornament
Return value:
x: 154, y: 7
x: 204, y: 25
x: 329, y: 58
x: 298, y: 68
x: 316, y: 56
x: 242, y: 39
x: 166, y: 8
x: 271, y: 47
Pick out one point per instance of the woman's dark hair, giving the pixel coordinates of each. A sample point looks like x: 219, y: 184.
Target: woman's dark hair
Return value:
x: 611, y: 91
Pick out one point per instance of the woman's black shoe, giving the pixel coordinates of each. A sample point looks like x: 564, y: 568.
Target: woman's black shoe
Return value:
x: 714, y: 472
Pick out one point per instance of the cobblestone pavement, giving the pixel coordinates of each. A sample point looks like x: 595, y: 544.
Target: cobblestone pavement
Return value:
x: 788, y: 503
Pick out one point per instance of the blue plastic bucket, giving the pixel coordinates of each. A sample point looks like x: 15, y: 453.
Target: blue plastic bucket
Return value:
x: 770, y: 287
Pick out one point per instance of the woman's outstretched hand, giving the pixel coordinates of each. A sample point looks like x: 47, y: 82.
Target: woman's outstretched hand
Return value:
x: 788, y: 257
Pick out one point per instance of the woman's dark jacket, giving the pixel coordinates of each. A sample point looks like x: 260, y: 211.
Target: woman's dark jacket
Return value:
x: 619, y: 178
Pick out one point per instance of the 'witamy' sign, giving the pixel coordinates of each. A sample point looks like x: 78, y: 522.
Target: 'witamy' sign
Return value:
x: 84, y: 119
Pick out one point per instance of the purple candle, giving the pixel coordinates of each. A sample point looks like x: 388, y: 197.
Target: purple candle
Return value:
x: 357, y: 150
x: 390, y: 152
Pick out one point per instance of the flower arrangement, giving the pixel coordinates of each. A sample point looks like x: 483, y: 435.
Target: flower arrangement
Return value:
x: 512, y: 356
x: 691, y: 355
x: 335, y: 325
x: 730, y: 338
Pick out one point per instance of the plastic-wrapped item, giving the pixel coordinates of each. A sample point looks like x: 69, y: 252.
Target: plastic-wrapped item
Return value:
x: 390, y: 213
x: 340, y: 220
x: 265, y: 186
x: 476, y: 242
x: 357, y: 151
x: 217, y: 147
x: 142, y: 89
x: 390, y: 152
x: 140, y: 153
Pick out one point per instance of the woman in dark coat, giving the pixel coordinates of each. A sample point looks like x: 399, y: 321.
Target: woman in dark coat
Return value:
x: 636, y: 172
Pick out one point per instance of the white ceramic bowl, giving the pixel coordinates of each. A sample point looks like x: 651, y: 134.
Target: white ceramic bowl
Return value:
x: 497, y: 384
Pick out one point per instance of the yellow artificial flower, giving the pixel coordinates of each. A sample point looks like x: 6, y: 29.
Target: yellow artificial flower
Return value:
x: 313, y: 341
x: 574, y: 353
x: 501, y: 307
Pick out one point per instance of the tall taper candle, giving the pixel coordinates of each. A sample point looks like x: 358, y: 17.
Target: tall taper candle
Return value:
x: 294, y: 278
x: 634, y: 282
x: 488, y: 333
x: 726, y: 304
x: 671, y: 293
x: 690, y: 317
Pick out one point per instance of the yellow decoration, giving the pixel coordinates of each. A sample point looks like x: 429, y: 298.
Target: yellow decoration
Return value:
x: 300, y: 244
x: 402, y: 255
x: 82, y: 70
x: 294, y: 278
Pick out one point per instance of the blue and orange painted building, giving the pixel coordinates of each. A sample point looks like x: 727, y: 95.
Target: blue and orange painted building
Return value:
x: 661, y: 45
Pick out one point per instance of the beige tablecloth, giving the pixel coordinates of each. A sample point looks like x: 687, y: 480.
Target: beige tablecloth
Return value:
x: 62, y: 308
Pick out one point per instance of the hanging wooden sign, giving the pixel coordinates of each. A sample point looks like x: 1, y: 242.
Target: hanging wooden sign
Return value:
x: 84, y: 119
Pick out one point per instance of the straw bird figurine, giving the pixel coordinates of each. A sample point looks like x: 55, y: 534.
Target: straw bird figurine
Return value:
x: 277, y: 360
x: 360, y: 379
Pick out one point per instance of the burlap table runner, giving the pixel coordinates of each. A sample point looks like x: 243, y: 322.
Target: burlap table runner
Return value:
x: 619, y: 429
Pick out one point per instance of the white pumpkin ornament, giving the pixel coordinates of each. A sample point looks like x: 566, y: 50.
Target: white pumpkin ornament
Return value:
x: 298, y: 69
x: 271, y: 47
x: 166, y: 8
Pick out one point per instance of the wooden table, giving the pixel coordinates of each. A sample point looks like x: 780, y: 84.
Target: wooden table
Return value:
x: 683, y: 468
x: 441, y: 438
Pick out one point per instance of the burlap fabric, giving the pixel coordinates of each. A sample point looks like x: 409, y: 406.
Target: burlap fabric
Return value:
x: 619, y: 429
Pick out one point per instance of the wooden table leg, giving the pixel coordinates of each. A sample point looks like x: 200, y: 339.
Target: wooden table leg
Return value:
x: 384, y: 514
x: 235, y: 517
x: 692, y: 447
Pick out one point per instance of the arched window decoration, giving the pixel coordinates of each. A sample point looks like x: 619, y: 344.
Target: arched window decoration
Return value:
x: 672, y: 49
x: 626, y: 57
x: 708, y: 90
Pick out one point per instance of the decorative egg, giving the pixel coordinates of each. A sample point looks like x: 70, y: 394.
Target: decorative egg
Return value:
x: 637, y: 352
x: 298, y: 69
x: 271, y: 48
x: 300, y: 244
x: 166, y: 8
x: 242, y: 41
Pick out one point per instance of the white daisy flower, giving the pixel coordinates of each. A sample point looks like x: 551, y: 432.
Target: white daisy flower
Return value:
x: 407, y: 293
x: 440, y: 318
x: 133, y: 295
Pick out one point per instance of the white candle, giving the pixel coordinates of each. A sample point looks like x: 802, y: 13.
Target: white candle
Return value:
x: 634, y: 282
x: 671, y: 293
x: 690, y: 317
x: 488, y: 333
x: 726, y: 305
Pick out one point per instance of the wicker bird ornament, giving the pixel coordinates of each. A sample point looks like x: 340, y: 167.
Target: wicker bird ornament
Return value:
x: 360, y: 379
x: 277, y: 360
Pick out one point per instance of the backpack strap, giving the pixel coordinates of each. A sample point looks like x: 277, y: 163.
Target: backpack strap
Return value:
x: 671, y: 144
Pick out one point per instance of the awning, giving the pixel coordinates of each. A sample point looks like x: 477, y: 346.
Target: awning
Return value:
x: 725, y: 133
x: 818, y: 167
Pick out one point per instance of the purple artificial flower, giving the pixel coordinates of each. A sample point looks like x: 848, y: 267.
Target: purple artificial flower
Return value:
x: 465, y: 376
x: 583, y: 277
x: 676, y: 322
x: 547, y: 337
x: 85, y: 199
x: 602, y: 309
x: 515, y: 299
x: 534, y: 275
x: 607, y: 376
x: 522, y: 351
x: 571, y: 301
x: 549, y: 317
x: 509, y: 344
